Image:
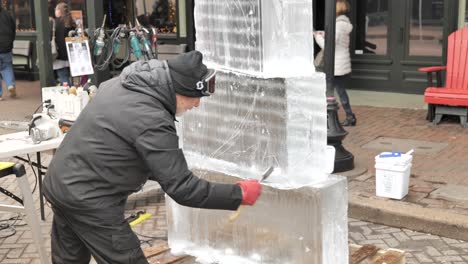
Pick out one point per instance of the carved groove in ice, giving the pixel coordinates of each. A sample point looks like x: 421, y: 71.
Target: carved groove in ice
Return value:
x: 305, y: 225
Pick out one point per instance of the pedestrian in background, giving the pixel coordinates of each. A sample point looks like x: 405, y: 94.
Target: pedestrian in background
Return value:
x: 7, y: 36
x: 342, y: 58
x: 63, y: 25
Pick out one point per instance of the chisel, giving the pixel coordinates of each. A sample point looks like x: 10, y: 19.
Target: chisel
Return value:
x: 265, y: 175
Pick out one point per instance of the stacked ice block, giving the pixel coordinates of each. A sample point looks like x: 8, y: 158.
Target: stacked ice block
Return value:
x: 252, y: 123
x: 269, y: 108
x: 298, y: 226
x: 270, y: 38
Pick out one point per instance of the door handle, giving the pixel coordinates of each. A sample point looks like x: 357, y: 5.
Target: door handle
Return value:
x: 402, y: 34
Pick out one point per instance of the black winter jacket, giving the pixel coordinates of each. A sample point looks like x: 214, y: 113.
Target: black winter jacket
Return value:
x: 61, y: 32
x: 7, y: 31
x: 125, y: 136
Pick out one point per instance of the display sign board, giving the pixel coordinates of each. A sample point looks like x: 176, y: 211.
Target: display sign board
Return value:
x: 79, y: 56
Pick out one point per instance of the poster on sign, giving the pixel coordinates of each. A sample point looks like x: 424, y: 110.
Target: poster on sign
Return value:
x: 79, y: 56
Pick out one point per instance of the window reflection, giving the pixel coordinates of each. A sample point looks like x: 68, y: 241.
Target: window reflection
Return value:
x: 426, y: 28
x: 23, y: 17
x: 160, y: 14
x: 372, y: 27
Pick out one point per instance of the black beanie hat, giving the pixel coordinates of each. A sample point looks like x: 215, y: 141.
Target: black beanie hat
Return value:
x: 187, y: 69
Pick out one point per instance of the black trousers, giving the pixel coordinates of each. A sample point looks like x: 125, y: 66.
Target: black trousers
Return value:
x: 340, y: 83
x: 104, y: 235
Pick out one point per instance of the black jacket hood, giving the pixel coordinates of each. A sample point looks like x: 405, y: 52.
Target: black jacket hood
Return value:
x: 153, y: 79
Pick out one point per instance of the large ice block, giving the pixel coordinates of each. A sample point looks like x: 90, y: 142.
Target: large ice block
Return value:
x: 301, y: 226
x: 260, y: 37
x: 251, y: 123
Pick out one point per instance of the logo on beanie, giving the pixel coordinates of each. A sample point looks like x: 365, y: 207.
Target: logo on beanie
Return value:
x: 200, y: 85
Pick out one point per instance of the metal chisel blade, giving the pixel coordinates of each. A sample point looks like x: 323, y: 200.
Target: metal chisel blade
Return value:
x: 267, y: 173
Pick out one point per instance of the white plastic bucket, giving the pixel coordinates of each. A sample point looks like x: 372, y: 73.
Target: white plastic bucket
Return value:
x: 392, y: 176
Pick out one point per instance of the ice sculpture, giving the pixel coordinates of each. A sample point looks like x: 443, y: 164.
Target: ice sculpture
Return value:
x: 269, y: 109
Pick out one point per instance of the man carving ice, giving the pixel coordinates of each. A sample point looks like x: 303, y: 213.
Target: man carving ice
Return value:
x: 125, y: 136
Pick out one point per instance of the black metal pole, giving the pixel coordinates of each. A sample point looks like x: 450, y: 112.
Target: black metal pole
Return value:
x: 41, y: 193
x: 329, y: 56
x: 344, y: 160
x: 190, y: 14
x: 44, y: 54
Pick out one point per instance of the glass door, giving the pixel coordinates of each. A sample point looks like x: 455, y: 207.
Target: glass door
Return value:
x: 372, y: 30
x: 393, y: 38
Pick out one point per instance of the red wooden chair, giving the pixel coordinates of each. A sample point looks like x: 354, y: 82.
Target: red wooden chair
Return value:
x: 453, y: 98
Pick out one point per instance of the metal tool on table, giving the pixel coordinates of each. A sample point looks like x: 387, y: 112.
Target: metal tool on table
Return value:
x: 42, y: 127
x: 265, y: 175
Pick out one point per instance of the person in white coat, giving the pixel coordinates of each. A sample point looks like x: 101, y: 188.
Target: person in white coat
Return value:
x: 342, y: 58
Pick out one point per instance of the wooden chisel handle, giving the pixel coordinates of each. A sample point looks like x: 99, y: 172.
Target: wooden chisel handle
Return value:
x: 235, y: 214
x: 265, y: 175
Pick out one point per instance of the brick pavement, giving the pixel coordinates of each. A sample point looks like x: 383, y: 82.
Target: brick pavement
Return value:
x: 419, y: 247
x: 22, y: 107
x: 429, y: 171
x: 447, y: 166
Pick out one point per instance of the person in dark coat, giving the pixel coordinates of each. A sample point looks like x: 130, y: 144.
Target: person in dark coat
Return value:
x: 125, y: 136
x: 63, y: 24
x: 7, y: 36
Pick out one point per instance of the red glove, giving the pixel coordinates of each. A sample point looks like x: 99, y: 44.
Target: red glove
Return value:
x: 250, y: 191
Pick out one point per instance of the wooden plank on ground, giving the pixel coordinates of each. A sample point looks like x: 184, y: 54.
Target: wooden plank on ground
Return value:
x: 390, y: 256
x: 155, y: 250
x: 362, y: 253
x: 373, y: 255
x: 169, y: 259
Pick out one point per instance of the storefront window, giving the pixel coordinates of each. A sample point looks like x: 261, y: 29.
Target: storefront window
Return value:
x: 160, y: 14
x: 117, y: 12
x: 23, y: 15
x: 23, y: 12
